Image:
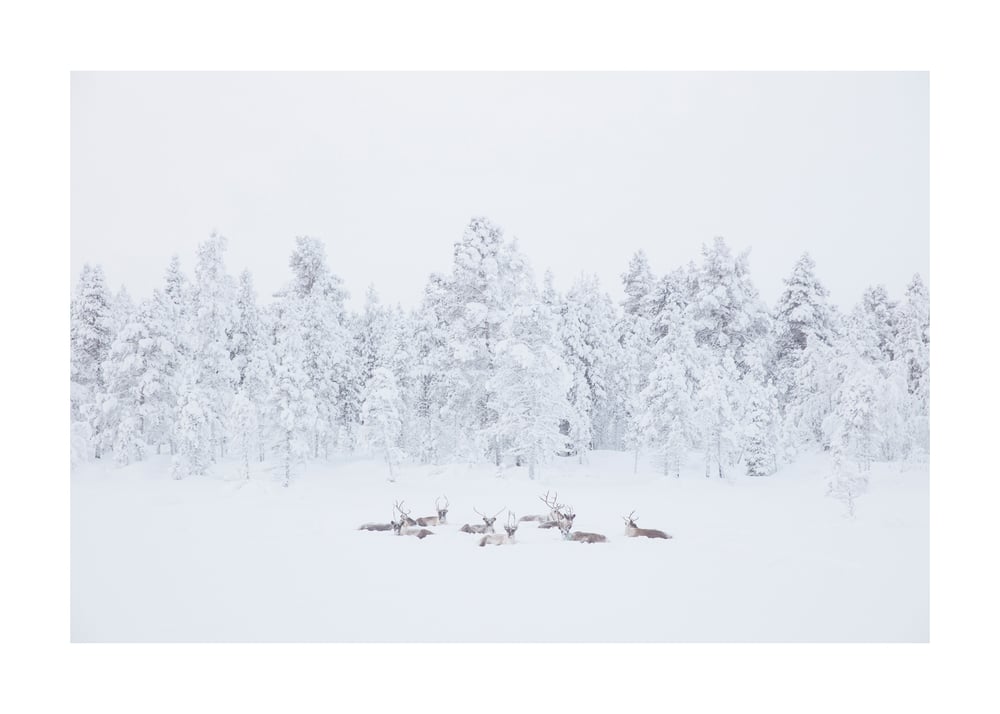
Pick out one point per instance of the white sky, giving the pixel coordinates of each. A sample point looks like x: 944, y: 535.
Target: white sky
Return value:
x: 582, y: 168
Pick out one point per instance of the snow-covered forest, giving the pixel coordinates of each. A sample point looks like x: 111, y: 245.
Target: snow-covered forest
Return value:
x: 497, y: 367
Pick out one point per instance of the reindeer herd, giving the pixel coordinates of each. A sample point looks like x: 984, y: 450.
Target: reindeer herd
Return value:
x: 559, y: 516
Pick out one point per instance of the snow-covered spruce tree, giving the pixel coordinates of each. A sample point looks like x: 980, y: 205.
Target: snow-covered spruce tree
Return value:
x: 472, y: 309
x: 717, y: 409
x: 531, y: 382
x: 380, y: 417
x: 91, y: 335
x: 593, y: 356
x: 668, y: 418
x: 913, y: 350
x: 733, y: 329
x: 192, y: 424
x: 846, y: 484
x: 290, y: 410
x: 805, y: 329
x: 248, y: 347
x: 635, y: 339
x: 138, y: 396
x: 326, y: 344
x: 170, y: 327
x: 429, y: 380
x: 639, y: 284
x: 245, y: 431
x: 213, y: 318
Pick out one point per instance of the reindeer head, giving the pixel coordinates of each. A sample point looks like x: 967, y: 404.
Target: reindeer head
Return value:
x: 396, y: 526
x: 489, y: 520
x: 511, y: 526
x: 630, y: 520
x: 404, y: 516
x: 566, y: 516
x: 442, y: 510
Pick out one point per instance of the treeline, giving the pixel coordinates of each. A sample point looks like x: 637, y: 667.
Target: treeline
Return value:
x: 494, y: 367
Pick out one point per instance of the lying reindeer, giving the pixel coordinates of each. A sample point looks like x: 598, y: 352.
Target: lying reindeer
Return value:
x: 440, y: 519
x: 404, y: 518
x: 553, y: 509
x: 401, y: 528
x: 488, y: 522
x: 497, y: 539
x: 580, y: 536
x: 633, y: 531
x: 375, y: 527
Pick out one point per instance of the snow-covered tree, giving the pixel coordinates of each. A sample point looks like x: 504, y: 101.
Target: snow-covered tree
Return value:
x: 531, y: 383
x: 91, y: 335
x: 245, y: 431
x: 593, y: 357
x: 326, y: 345
x: 290, y: 410
x: 213, y: 318
x: 381, y: 420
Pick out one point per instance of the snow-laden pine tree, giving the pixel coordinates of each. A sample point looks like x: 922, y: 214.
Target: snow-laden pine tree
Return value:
x: 593, y: 356
x: 290, y: 410
x: 326, y: 344
x: 913, y: 350
x: 639, y: 284
x: 213, y: 317
x: 139, y: 401
x: 471, y: 309
x: 244, y: 426
x: 381, y: 420
x: 531, y: 383
x: 733, y: 330
x: 668, y: 418
x: 91, y: 335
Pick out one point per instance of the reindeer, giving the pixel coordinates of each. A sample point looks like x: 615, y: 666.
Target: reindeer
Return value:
x: 401, y: 527
x: 551, y: 503
x: 564, y: 516
x: 633, y: 531
x: 404, y: 518
x: 497, y: 539
x: 375, y: 527
x: 556, y: 514
x: 581, y: 536
x: 440, y: 519
x: 487, y: 521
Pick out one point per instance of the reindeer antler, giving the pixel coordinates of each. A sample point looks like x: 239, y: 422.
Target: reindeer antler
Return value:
x: 511, y: 518
x: 399, y: 507
x: 437, y: 505
x: 629, y: 517
x: 499, y: 512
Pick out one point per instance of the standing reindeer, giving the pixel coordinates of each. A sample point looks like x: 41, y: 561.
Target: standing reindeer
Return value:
x: 401, y: 527
x: 487, y: 526
x: 634, y: 531
x: 497, y: 539
x: 440, y: 519
x: 580, y: 536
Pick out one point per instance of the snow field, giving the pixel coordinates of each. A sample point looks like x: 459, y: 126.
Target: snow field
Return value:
x: 769, y: 559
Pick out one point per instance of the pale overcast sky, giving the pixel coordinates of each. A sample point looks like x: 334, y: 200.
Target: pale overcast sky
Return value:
x: 582, y: 168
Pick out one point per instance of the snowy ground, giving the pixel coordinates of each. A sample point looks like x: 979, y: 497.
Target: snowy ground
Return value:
x: 217, y: 559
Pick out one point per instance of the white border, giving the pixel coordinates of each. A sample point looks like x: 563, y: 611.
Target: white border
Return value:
x: 40, y: 44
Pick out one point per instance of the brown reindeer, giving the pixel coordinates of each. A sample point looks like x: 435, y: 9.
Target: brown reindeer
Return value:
x: 401, y: 527
x: 581, y: 536
x: 487, y: 526
x: 497, y: 539
x: 440, y: 519
x: 634, y: 531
